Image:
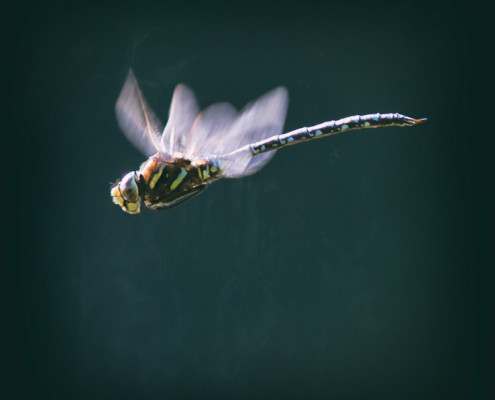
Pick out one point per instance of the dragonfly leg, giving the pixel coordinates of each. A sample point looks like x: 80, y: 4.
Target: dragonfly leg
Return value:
x: 179, y: 199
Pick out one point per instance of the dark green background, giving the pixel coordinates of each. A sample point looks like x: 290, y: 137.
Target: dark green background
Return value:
x: 351, y: 267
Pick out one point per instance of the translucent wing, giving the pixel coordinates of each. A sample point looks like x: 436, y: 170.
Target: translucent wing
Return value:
x: 208, y: 123
x: 183, y: 112
x: 235, y: 164
x: 138, y: 122
x: 218, y: 131
x: 258, y: 120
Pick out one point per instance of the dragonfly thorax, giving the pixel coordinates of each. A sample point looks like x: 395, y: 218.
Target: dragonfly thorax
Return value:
x: 163, y: 182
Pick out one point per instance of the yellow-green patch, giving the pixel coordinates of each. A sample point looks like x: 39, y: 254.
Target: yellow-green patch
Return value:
x: 155, y: 178
x: 179, y: 179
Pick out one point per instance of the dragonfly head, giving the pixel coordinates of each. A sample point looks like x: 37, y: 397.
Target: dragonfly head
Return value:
x: 125, y: 193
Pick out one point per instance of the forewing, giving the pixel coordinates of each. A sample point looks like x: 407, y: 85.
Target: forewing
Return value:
x: 257, y: 121
x: 209, y: 122
x: 138, y: 122
x: 183, y: 112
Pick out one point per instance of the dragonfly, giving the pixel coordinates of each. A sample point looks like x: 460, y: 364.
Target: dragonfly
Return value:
x: 196, y: 148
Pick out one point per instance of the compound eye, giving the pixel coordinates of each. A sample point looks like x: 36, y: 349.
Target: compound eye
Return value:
x: 128, y: 187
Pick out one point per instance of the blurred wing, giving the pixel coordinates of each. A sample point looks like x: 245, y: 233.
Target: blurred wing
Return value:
x: 138, y: 122
x: 235, y: 164
x: 183, y: 112
x: 208, y: 123
x: 257, y: 121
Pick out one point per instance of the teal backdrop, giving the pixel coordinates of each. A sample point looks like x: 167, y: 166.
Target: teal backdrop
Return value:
x: 352, y: 267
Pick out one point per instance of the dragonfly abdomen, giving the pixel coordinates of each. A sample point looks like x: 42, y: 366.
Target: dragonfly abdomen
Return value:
x: 332, y: 128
